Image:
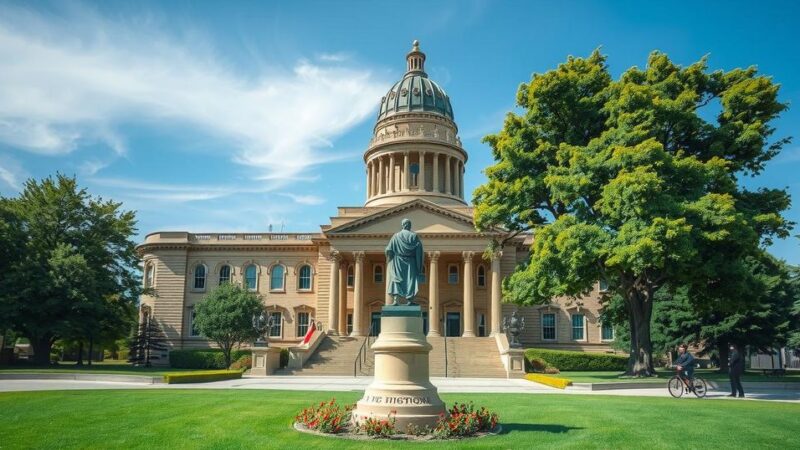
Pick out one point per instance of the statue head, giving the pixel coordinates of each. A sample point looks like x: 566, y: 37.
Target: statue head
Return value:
x: 406, y: 224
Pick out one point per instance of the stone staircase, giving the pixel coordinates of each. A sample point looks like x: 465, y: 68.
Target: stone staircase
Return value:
x: 465, y: 358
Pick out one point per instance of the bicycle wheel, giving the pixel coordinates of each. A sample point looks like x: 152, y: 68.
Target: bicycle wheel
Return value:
x: 700, y: 387
x: 675, y: 387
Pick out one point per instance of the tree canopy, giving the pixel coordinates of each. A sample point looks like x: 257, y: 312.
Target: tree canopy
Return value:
x: 634, y: 181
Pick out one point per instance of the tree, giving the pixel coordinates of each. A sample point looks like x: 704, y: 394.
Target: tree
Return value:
x: 225, y: 316
x: 74, y: 263
x: 147, y: 339
x: 626, y: 181
x: 794, y: 335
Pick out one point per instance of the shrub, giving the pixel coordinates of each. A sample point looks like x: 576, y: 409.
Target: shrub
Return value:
x: 202, y: 359
x: 465, y: 420
x: 539, y: 365
x: 284, y: 360
x: 566, y: 360
x: 327, y: 417
x: 201, y: 377
x: 380, y: 428
x: 245, y: 362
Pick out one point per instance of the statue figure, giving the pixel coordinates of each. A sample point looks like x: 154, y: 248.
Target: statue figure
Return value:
x: 261, y: 324
x: 404, y: 259
x: 513, y: 328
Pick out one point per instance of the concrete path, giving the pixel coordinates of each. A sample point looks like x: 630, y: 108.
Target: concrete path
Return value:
x: 321, y: 383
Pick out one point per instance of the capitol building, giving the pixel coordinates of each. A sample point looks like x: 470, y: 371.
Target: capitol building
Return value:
x: 335, y: 277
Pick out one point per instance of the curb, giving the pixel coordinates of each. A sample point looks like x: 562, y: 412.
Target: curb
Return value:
x: 82, y: 377
x: 712, y: 384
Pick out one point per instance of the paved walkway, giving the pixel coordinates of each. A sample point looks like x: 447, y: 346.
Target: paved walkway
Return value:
x: 320, y: 383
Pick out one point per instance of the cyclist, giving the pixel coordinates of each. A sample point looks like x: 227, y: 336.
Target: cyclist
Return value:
x: 685, y: 363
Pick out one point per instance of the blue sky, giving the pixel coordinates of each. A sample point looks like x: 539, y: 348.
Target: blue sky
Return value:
x: 217, y: 116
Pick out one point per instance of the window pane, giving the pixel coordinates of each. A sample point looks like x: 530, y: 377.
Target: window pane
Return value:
x: 305, y: 277
x: 349, y: 323
x: 148, y: 276
x: 577, y: 327
x: 224, y: 274
x: 452, y: 275
x: 607, y: 332
x: 200, y: 277
x: 350, y: 277
x: 377, y: 274
x: 548, y: 326
x: 302, y: 324
x: 481, y: 276
x: 276, y: 279
x: 192, y: 327
x: 277, y: 323
x: 250, y: 277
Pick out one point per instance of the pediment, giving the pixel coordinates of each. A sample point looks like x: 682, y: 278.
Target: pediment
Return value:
x: 426, y: 218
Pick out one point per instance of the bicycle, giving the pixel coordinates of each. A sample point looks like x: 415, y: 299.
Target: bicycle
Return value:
x: 679, y: 385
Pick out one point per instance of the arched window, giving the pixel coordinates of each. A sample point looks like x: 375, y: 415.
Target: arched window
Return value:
x: 304, y: 278
x: 351, y: 278
x: 251, y: 277
x: 481, y: 278
x: 149, y: 274
x: 200, y: 277
x: 377, y: 273
x: 224, y: 274
x: 276, y: 278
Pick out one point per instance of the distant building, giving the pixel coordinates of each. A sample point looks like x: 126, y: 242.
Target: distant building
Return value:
x: 414, y: 165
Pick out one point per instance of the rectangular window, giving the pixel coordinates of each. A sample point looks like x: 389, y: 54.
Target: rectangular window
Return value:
x: 351, y: 278
x: 452, y: 274
x: 548, y: 327
x: 422, y: 277
x: 577, y: 327
x: 349, y: 323
x: 603, y: 286
x: 277, y: 324
x: 377, y: 273
x: 302, y: 324
x: 607, y: 332
x: 192, y: 327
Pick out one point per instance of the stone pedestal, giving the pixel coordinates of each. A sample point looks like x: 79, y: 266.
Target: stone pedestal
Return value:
x: 266, y: 360
x: 402, y: 382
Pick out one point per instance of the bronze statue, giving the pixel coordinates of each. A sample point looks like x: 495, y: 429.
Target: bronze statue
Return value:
x: 261, y: 324
x: 404, y: 260
x: 513, y: 328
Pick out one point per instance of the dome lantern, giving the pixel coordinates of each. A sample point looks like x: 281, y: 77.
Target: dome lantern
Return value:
x: 416, y: 59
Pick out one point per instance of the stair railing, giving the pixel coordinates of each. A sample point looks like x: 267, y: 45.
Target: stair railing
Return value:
x: 361, y: 357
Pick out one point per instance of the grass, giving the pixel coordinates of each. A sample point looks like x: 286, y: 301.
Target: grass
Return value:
x: 105, y: 367
x: 664, y: 375
x: 221, y: 419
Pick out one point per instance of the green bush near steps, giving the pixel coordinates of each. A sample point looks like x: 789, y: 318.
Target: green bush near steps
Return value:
x: 202, y: 377
x: 202, y: 359
x: 576, y: 361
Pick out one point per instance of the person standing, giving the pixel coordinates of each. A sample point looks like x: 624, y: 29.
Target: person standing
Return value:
x: 735, y: 371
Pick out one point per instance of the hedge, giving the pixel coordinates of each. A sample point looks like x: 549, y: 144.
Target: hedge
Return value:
x: 577, y: 361
x: 560, y: 383
x: 202, y: 359
x: 202, y: 377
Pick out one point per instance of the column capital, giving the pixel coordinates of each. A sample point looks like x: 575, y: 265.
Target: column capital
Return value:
x: 496, y: 255
x: 359, y: 256
x: 335, y: 256
x: 467, y: 256
x: 434, y: 256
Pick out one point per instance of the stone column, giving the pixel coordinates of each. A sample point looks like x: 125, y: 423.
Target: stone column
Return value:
x: 421, y: 180
x: 461, y: 179
x: 469, y: 300
x: 381, y: 177
x: 447, y: 186
x: 391, y: 173
x: 433, y: 295
x: 457, y: 178
x: 358, y: 294
x: 333, y: 297
x: 435, y: 173
x: 496, y: 307
x: 406, y: 179
x: 343, y: 299
x: 369, y: 180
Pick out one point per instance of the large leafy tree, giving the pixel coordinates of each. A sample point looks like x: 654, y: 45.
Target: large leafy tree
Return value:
x: 226, y: 316
x: 74, y: 270
x: 634, y: 181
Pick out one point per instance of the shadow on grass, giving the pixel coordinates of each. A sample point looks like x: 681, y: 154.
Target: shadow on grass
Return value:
x: 536, y: 427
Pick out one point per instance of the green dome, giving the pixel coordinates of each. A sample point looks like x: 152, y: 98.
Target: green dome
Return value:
x: 415, y: 92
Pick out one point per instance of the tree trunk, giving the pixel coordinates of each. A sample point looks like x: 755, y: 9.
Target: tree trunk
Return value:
x: 640, y: 312
x: 80, y: 353
x: 41, y: 350
x: 724, y: 354
x: 91, y: 349
x: 226, y: 352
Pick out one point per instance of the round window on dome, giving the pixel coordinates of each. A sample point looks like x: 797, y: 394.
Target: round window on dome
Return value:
x: 404, y: 92
x: 416, y: 92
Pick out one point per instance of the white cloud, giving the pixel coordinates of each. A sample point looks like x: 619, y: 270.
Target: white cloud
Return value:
x: 334, y: 57
x: 76, y: 76
x: 304, y: 199
x: 11, y: 173
x: 175, y: 193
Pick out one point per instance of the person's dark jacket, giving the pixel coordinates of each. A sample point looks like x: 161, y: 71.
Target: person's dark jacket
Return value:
x: 686, y: 361
x: 736, y: 365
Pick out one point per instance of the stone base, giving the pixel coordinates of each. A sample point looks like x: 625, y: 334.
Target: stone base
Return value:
x: 402, y: 384
x: 266, y: 360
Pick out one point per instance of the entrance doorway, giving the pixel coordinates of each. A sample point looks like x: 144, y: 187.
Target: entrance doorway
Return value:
x: 375, y: 324
x: 452, y: 324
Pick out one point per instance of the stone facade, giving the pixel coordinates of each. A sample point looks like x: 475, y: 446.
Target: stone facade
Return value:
x: 336, y: 277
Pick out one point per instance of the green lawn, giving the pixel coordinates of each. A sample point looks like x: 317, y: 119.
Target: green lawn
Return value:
x: 106, y: 367
x: 708, y: 374
x: 262, y: 419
